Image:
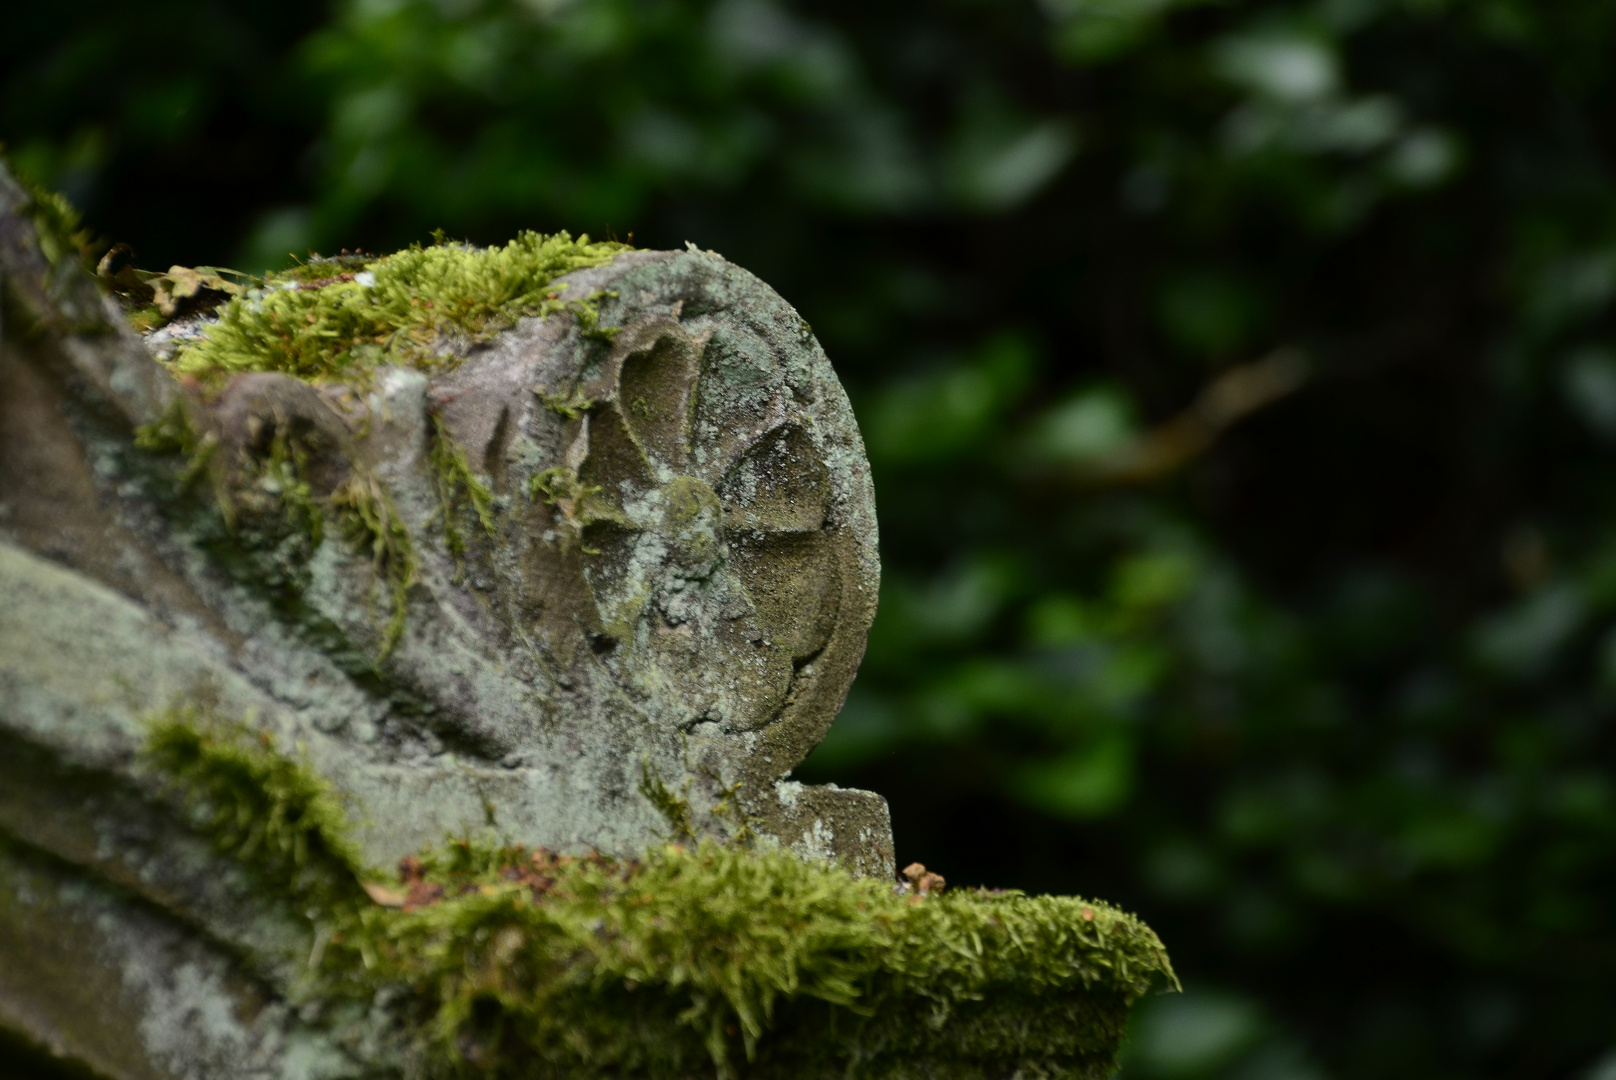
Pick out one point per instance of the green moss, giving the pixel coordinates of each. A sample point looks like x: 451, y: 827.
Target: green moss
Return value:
x: 372, y: 522
x: 174, y: 434
x: 454, y: 477
x: 283, y: 475
x: 587, y: 312
x: 393, y: 309
x: 64, y: 243
x: 326, y: 269
x: 703, y: 960
x: 170, y: 433
x: 273, y: 520
x: 675, y: 809
x: 340, y: 318
x: 62, y: 235
x: 569, y: 406
x: 263, y: 808
x: 144, y: 318
x: 728, y: 808
x: 560, y: 487
x: 579, y: 503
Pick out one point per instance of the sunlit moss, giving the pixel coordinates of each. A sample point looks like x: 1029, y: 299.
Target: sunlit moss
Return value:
x: 689, y: 961
x: 335, y: 321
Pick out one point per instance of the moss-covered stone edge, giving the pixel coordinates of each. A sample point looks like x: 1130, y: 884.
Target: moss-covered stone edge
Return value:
x: 336, y: 319
x: 690, y: 960
x: 341, y: 319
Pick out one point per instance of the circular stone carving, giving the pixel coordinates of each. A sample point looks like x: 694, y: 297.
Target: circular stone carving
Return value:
x: 709, y: 557
x: 703, y: 501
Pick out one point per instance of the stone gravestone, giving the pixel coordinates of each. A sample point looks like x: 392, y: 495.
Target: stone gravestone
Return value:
x: 531, y: 571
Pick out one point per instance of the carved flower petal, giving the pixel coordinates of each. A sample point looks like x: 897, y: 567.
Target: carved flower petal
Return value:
x: 656, y: 389
x: 792, y: 584
x: 779, y: 485
x: 614, y: 460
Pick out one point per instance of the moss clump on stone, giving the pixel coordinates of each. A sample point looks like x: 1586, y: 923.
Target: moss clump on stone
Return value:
x: 454, y: 477
x: 395, y: 309
x: 283, y: 475
x: 262, y: 807
x: 273, y: 519
x: 674, y: 808
x: 173, y: 433
x: 170, y: 433
x: 568, y: 406
x: 341, y: 318
x: 689, y: 961
x: 60, y: 228
x: 372, y: 522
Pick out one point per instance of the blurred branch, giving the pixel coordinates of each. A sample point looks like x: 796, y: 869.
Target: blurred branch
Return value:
x: 1229, y: 398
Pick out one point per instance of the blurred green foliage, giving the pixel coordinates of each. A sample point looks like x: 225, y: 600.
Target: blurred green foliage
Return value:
x: 1322, y: 682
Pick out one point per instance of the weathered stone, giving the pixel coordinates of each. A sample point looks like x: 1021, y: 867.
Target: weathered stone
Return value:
x: 590, y: 583
x: 675, y: 588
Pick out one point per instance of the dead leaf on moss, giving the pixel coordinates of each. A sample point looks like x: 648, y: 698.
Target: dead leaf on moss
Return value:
x: 384, y: 896
x: 185, y: 289
x: 119, y: 274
